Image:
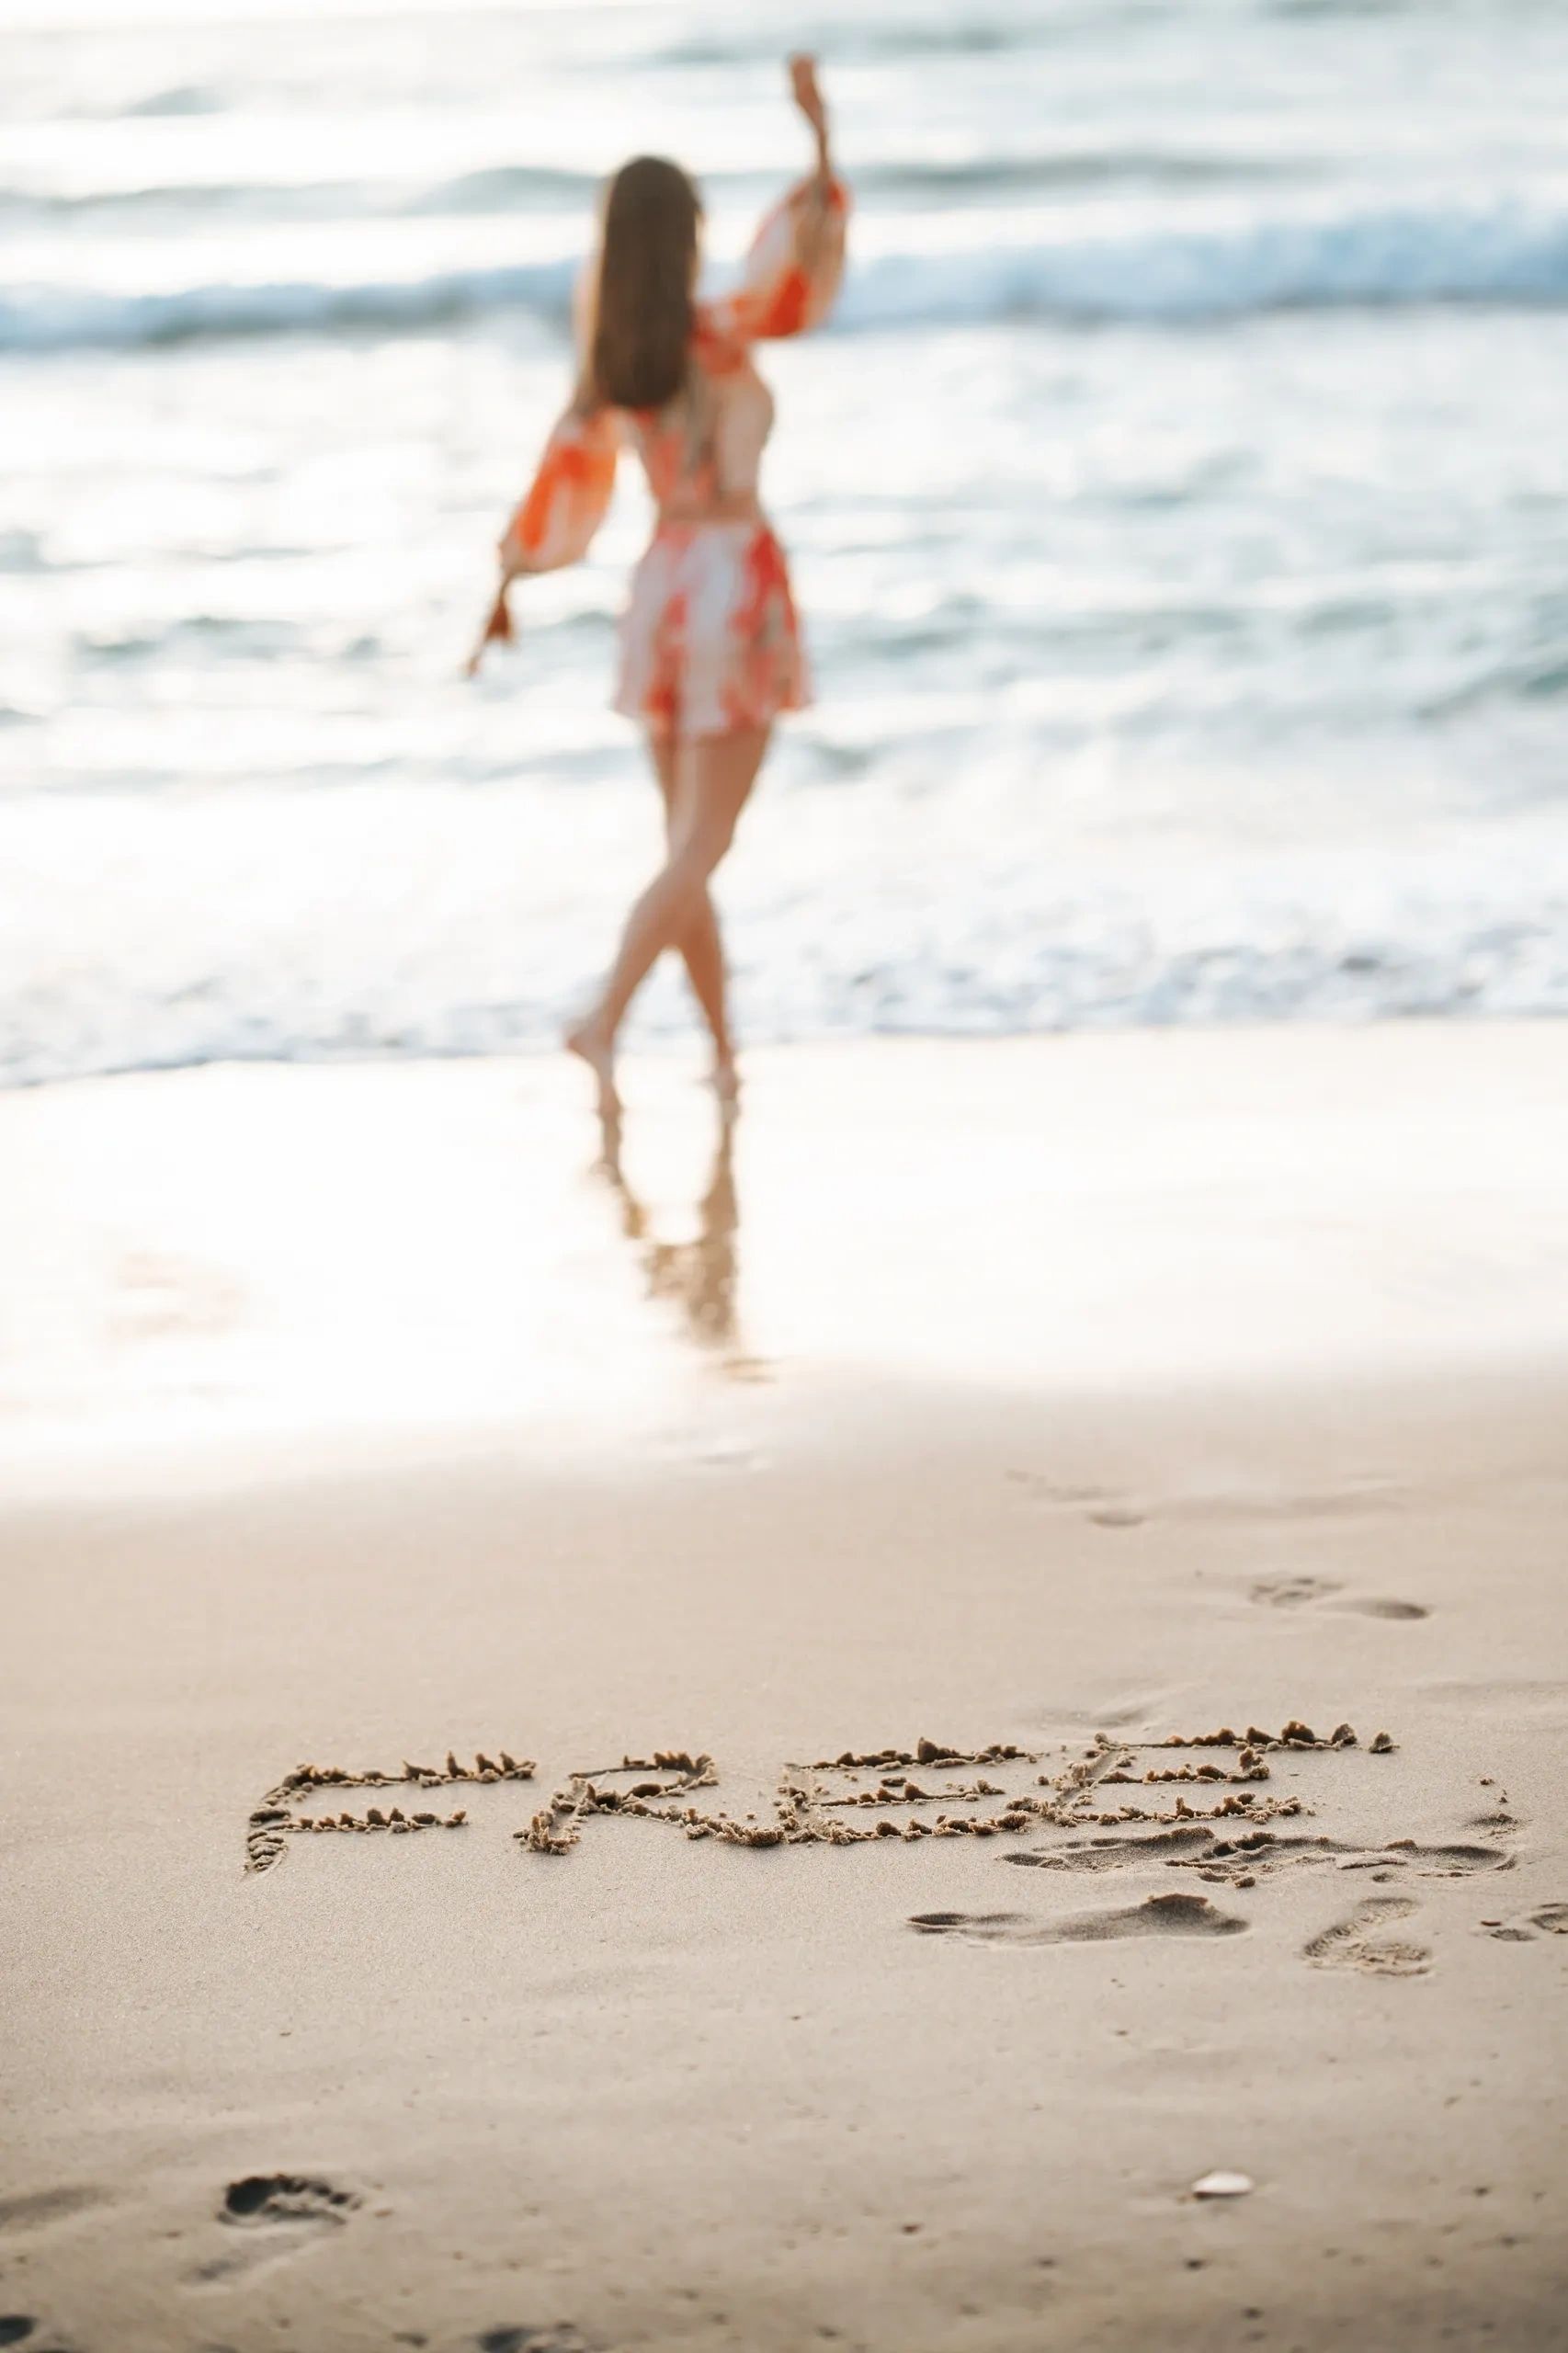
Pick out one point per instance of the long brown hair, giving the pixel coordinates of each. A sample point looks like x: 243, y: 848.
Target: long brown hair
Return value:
x: 642, y: 302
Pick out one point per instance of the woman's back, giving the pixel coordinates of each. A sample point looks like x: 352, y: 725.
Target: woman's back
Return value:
x: 702, y: 451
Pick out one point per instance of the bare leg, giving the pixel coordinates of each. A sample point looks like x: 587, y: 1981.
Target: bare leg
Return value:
x: 700, y: 945
x: 714, y: 775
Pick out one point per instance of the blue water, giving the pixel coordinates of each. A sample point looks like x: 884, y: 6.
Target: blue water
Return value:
x: 1179, y: 504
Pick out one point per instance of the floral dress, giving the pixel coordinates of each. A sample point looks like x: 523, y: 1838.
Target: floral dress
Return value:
x: 711, y: 639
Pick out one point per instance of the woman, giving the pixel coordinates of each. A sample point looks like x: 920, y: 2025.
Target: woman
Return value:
x: 711, y: 648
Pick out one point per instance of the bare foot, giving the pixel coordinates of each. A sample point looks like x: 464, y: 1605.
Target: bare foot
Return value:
x: 727, y: 1083
x: 591, y: 1045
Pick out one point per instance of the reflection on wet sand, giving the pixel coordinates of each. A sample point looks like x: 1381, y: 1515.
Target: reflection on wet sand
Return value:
x: 700, y: 1275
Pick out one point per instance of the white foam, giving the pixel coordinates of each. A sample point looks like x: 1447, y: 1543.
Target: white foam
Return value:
x: 1501, y: 252
x: 43, y: 318
x: 208, y: 948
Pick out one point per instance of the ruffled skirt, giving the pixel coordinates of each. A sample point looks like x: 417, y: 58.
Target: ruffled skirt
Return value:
x: 711, y: 639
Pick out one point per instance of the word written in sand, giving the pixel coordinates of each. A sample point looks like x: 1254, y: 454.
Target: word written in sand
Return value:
x: 929, y: 1791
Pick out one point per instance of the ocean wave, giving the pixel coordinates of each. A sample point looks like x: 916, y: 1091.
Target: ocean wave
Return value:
x: 864, y: 43
x: 1051, y: 972
x: 1089, y: 167
x: 1503, y: 253
x: 1543, y: 678
x: 188, y: 203
x: 502, y: 189
x: 752, y: 38
x: 505, y: 188
x: 66, y: 319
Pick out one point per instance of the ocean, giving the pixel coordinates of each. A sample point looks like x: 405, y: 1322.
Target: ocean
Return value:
x: 1178, y: 501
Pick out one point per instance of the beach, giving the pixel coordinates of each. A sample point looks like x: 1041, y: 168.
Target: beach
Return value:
x: 1019, y: 1617
x: 933, y: 1720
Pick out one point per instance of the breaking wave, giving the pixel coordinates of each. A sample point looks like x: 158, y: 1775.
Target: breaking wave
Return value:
x: 1502, y: 254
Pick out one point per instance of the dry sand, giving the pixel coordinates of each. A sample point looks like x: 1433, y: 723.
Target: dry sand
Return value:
x: 1064, y: 1396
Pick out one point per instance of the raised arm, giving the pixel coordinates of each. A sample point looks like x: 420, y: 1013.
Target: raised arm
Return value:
x: 791, y: 275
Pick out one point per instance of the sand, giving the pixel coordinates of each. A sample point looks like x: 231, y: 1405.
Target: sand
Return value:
x: 1057, y: 1400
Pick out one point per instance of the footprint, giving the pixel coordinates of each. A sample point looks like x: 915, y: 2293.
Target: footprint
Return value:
x: 1351, y: 1943
x: 1304, y: 1592
x: 1157, y: 1916
x: 1238, y: 1860
x: 261, y: 2198
x: 1434, y: 1862
x: 1251, y: 1851
x: 1550, y: 1919
x: 561, y: 2338
x: 1270, y: 1851
x: 1112, y: 1853
x: 280, y: 2212
x: 1292, y: 1593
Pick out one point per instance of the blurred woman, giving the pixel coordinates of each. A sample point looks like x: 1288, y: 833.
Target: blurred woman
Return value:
x: 710, y: 647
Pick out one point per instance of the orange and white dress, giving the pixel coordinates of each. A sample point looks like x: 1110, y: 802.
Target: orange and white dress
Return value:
x: 711, y: 639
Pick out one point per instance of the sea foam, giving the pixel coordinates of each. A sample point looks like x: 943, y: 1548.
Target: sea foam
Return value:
x: 1501, y: 251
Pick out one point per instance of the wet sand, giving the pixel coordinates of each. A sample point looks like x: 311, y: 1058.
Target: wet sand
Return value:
x: 914, y: 1499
